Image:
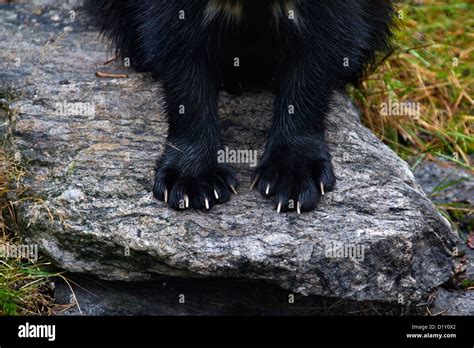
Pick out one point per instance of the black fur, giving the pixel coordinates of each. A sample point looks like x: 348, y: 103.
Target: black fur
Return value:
x: 303, y: 58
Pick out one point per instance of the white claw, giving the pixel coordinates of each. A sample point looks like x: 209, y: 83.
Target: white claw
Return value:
x: 186, y: 201
x: 267, y: 191
x: 166, y: 196
x: 216, y: 194
x: 298, y: 208
x: 254, y: 183
x: 206, y: 201
x: 279, y: 207
x: 322, y: 188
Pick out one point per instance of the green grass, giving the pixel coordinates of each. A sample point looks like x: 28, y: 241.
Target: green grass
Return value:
x: 24, y: 283
x: 25, y: 288
x: 431, y: 65
x: 467, y: 284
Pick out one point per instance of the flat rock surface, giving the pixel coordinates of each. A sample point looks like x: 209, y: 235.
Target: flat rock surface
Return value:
x: 90, y: 144
x: 445, y: 183
x: 454, y: 302
x: 246, y: 297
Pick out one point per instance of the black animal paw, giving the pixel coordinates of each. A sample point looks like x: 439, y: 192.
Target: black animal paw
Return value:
x: 295, y: 182
x: 200, y: 188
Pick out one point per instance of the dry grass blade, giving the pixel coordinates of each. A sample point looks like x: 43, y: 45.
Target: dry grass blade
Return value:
x: 431, y: 67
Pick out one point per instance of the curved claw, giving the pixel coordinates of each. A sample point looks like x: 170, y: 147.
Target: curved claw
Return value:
x: 186, y: 201
x: 254, y: 182
x: 206, y: 202
x: 233, y: 190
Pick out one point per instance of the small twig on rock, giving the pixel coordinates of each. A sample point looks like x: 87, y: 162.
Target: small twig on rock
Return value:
x: 110, y: 75
x: 439, y: 313
x: 107, y: 62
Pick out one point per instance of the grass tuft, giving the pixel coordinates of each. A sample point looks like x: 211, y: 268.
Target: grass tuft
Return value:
x: 25, y: 287
x: 430, y: 66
